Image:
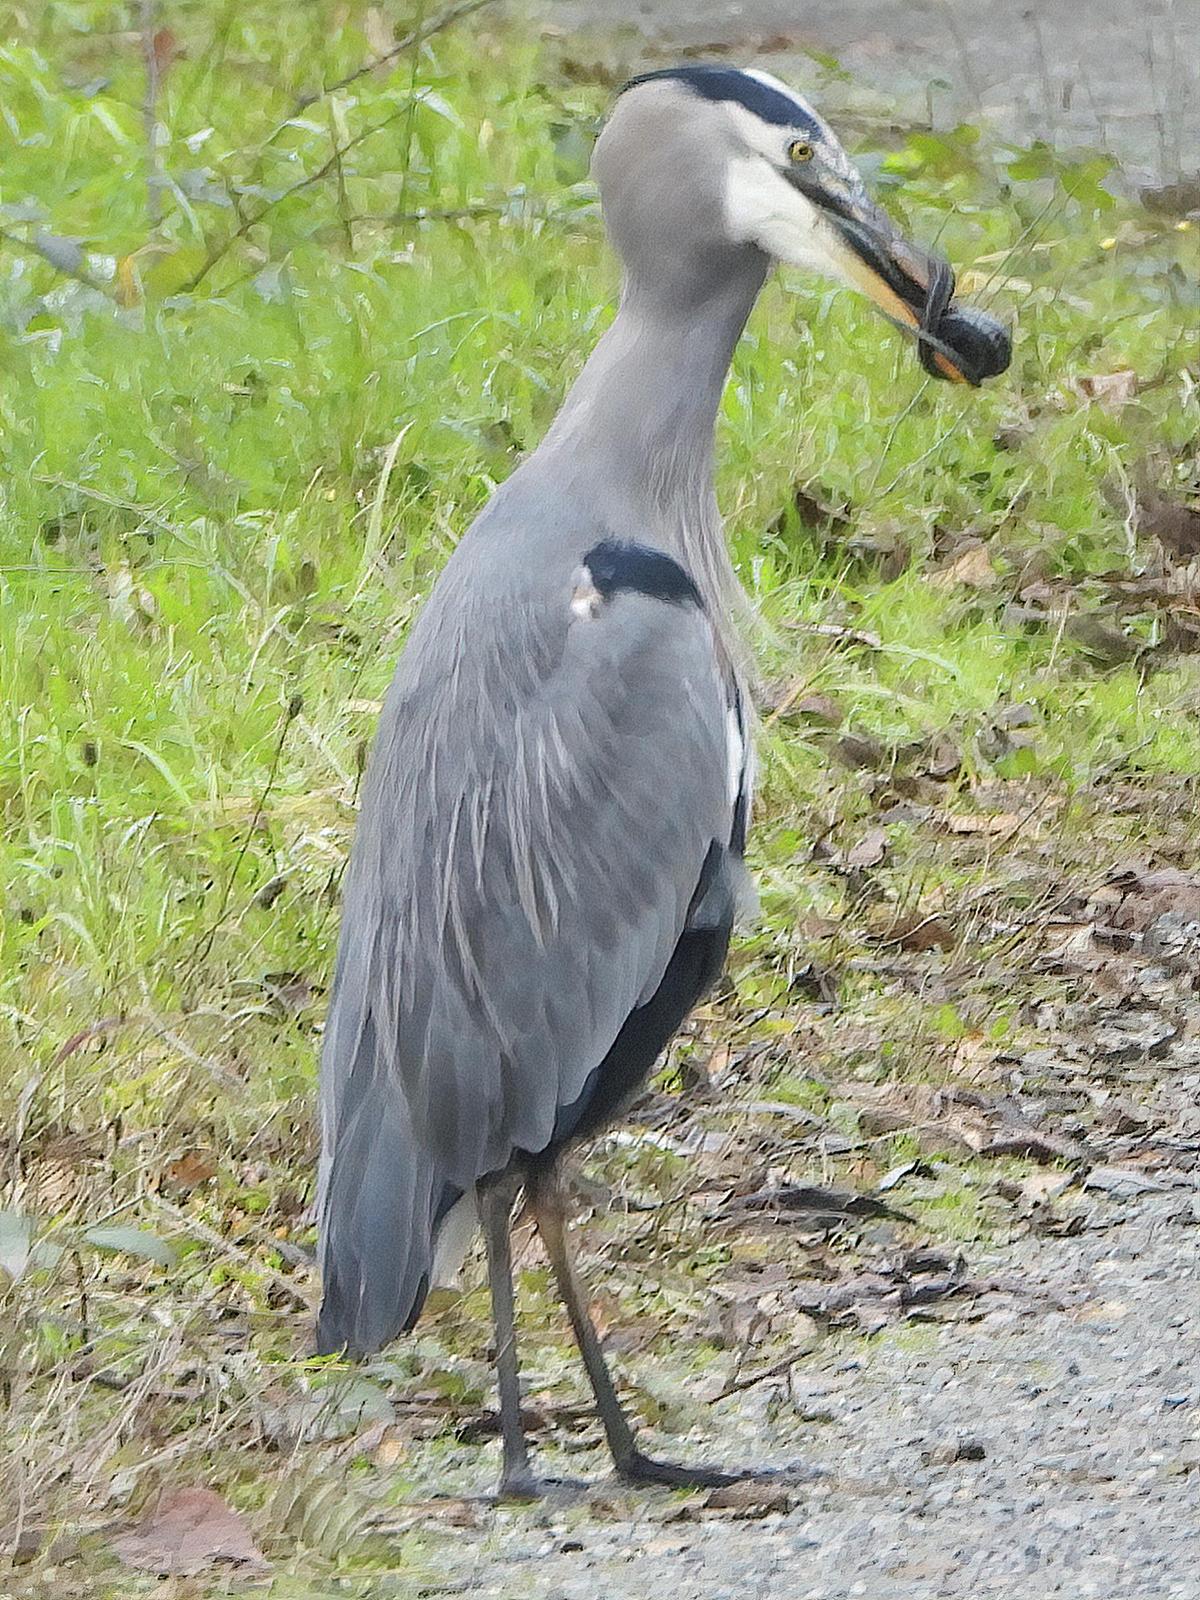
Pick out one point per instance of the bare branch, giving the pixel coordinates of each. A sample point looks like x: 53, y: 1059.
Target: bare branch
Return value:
x: 416, y: 36
x: 413, y: 39
x: 323, y: 171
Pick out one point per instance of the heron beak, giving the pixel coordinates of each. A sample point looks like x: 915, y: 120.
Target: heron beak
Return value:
x: 912, y: 287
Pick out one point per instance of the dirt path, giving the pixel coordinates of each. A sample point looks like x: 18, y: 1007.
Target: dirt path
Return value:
x: 1074, y: 72
x: 1081, y: 1391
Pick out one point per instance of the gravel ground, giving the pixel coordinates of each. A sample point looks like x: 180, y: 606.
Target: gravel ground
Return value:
x: 1075, y: 72
x: 1083, y: 1400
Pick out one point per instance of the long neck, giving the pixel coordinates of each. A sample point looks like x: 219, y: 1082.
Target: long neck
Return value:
x: 635, y: 434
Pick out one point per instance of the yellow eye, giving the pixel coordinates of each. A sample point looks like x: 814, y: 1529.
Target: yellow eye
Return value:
x: 800, y: 151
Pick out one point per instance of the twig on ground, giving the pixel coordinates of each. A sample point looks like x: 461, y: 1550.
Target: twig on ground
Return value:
x: 775, y: 1370
x: 226, y: 1247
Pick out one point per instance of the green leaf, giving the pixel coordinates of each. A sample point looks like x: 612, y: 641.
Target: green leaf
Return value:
x: 948, y: 1024
x: 170, y: 273
x: 1036, y: 162
x: 132, y: 1242
x: 1083, y: 184
x: 16, y: 1243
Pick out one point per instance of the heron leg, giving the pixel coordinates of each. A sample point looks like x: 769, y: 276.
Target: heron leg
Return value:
x: 546, y: 1202
x: 495, y: 1204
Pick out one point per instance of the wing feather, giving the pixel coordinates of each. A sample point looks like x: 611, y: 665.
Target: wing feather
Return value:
x: 539, y: 807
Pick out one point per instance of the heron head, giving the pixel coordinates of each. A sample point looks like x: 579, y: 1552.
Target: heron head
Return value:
x: 699, y: 164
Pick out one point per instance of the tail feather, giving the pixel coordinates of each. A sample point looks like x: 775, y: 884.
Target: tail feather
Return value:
x: 381, y: 1200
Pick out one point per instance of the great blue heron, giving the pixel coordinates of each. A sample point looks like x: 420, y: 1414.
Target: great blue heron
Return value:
x: 549, y: 852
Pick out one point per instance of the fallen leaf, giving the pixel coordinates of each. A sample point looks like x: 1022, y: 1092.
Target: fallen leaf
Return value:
x: 192, y: 1169
x: 166, y: 50
x: 1107, y: 645
x: 916, y: 930
x: 1175, y: 526
x: 1109, y: 389
x: 869, y: 851
x: 857, y: 750
x: 129, y: 286
x: 819, y: 708
x: 943, y: 760
x: 974, y: 822
x: 972, y: 569
x: 188, y: 1531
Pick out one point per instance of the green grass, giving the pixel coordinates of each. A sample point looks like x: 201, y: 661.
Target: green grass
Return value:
x: 231, y: 464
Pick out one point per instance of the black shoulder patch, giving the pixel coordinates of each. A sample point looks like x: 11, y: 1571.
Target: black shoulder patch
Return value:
x: 615, y: 566
x: 730, y: 83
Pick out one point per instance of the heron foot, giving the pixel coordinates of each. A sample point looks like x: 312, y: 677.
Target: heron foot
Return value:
x: 639, y: 1468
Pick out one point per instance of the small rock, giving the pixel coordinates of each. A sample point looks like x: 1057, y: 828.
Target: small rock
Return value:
x: 1185, y: 1460
x: 750, y: 1497
x: 1122, y: 1181
x: 1136, y: 1036
x: 945, y: 1455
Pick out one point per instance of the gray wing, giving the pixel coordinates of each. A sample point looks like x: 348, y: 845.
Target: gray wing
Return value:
x: 533, y: 828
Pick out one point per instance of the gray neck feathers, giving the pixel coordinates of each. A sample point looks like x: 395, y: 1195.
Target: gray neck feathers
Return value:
x: 634, y: 437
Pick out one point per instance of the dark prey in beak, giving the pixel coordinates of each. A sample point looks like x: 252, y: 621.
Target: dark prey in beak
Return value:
x: 975, y: 345
x: 913, y: 288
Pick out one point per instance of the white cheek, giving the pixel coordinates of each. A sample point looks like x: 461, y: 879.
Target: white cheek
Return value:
x: 762, y: 208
